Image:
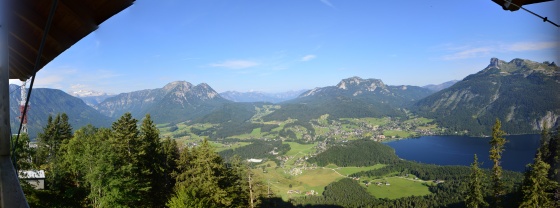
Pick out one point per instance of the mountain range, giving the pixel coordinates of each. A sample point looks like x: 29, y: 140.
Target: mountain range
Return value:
x: 45, y: 102
x: 522, y: 93
x: 256, y: 96
x: 438, y: 87
x: 351, y: 97
x: 175, y: 102
x: 91, y: 98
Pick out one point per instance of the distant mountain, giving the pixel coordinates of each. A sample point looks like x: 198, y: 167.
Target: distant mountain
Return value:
x: 45, y: 102
x: 351, y: 97
x: 175, y: 102
x: 90, y: 97
x: 441, y: 86
x: 523, y: 94
x: 260, y: 96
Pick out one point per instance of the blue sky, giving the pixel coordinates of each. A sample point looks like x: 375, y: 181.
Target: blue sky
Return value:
x: 280, y: 45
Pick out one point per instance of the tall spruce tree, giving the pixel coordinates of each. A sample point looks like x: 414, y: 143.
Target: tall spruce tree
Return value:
x: 554, y: 172
x: 475, y: 193
x: 536, y: 186
x: 248, y: 187
x: 132, y: 183
x: 497, y: 147
x: 24, y: 154
x: 169, y: 154
x: 55, y: 133
x: 152, y: 170
x: 202, y: 171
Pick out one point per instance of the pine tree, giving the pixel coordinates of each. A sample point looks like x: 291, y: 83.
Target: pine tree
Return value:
x: 54, y: 134
x: 189, y: 197
x: 536, y: 185
x: 544, y: 146
x: 24, y: 154
x: 203, y: 170
x: 131, y: 182
x: 497, y: 147
x: 554, y: 162
x: 169, y: 154
x: 475, y: 197
x: 249, y: 188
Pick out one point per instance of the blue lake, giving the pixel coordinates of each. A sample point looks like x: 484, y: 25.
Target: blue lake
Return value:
x: 459, y: 150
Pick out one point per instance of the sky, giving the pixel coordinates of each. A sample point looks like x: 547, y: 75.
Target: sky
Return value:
x: 282, y: 45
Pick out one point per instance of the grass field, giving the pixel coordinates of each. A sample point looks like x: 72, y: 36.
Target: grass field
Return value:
x: 316, y: 179
x: 221, y: 147
x: 399, y: 187
x: 352, y: 170
x: 297, y: 148
x: 399, y: 134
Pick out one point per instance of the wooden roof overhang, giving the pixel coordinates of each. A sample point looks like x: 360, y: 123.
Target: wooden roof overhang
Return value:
x: 510, y: 4
x: 72, y: 21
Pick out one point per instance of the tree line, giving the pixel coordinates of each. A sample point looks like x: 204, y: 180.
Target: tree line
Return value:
x: 356, y: 153
x: 131, y: 166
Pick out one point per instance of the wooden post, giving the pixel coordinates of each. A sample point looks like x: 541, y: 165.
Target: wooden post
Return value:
x: 11, y: 194
x: 4, y: 80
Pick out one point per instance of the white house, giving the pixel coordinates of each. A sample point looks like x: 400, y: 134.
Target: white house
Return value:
x: 254, y: 160
x: 34, y: 177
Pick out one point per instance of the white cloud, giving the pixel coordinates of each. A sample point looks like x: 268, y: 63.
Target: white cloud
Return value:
x: 235, y: 64
x: 328, y: 3
x: 481, y: 50
x: 532, y: 46
x: 51, y: 81
x: 78, y: 86
x: 468, y: 53
x: 308, y: 57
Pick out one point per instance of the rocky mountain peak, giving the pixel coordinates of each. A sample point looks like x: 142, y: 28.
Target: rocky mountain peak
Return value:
x: 204, y: 91
x: 363, y: 84
x: 494, y: 62
x: 519, y: 66
x: 87, y: 93
x: 180, y: 85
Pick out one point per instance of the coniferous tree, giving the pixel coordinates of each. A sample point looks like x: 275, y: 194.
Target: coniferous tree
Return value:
x: 545, y: 139
x: 24, y: 154
x: 169, y: 154
x: 189, y: 197
x: 475, y: 194
x: 202, y: 171
x: 54, y: 134
x: 536, y: 185
x: 57, y: 132
x: 133, y: 181
x: 149, y: 167
x: 248, y: 187
x: 554, y: 161
x: 497, y: 147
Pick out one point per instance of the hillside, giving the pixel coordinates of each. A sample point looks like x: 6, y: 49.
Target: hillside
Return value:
x: 351, y: 98
x: 175, y: 102
x: 438, y: 87
x: 522, y: 93
x: 45, y: 102
x: 91, y: 98
x: 255, y: 96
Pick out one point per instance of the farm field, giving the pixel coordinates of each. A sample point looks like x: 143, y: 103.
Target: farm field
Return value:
x: 398, y: 187
x: 315, y: 179
x: 300, y: 149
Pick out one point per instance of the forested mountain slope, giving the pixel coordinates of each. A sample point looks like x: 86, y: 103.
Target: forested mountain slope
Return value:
x: 522, y: 93
x: 45, y: 102
x: 175, y: 102
x: 351, y: 98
